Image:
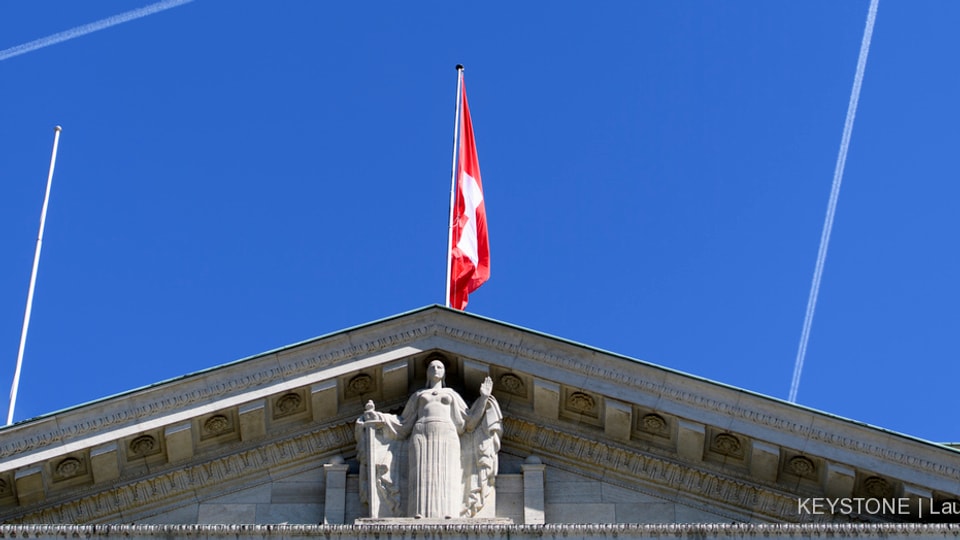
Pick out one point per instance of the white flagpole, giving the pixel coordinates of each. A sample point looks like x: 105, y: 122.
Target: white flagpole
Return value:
x: 33, y: 279
x: 453, y: 182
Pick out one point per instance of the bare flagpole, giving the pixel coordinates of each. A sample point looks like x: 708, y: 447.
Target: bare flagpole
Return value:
x: 33, y: 279
x: 453, y: 182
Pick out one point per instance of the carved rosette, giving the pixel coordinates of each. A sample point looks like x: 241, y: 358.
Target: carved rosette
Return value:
x: 802, y: 466
x: 875, y: 486
x: 727, y: 444
x: 581, y: 403
x: 289, y: 404
x: 360, y: 385
x: 68, y: 468
x: 654, y: 424
x: 217, y: 424
x: 144, y: 445
x: 512, y: 384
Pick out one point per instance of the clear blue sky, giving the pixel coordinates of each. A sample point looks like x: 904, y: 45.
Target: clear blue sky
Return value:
x: 238, y: 176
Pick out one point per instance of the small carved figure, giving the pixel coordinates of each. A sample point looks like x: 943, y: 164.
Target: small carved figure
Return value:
x: 450, y: 449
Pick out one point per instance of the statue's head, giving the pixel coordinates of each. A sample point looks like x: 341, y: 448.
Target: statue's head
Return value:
x: 435, y: 371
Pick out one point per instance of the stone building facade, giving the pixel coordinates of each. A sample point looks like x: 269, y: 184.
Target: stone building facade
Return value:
x: 593, y: 445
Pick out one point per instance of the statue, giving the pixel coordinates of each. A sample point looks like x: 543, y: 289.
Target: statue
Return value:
x: 438, y: 459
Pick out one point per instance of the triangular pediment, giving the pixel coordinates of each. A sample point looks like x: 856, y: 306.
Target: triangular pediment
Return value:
x: 629, y: 438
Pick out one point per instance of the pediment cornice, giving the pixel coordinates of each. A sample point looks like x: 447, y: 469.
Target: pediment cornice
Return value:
x: 132, y: 498
x: 707, y: 490
x: 729, y: 441
x: 625, y: 531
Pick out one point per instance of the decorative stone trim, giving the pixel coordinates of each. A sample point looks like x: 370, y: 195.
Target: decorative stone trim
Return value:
x: 217, y: 424
x: 511, y: 383
x: 688, y: 485
x: 360, y: 385
x: 219, y: 388
x: 875, y: 486
x: 802, y: 466
x: 76, y: 507
x: 677, y: 394
x: 582, y: 403
x: 426, y: 325
x: 68, y: 468
x: 289, y: 404
x: 727, y: 444
x: 480, y: 531
x: 654, y: 424
x: 144, y: 445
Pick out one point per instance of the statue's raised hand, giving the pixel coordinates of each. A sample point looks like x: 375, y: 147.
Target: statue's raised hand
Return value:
x: 487, y: 387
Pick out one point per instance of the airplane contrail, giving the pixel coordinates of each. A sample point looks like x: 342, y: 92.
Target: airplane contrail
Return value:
x: 89, y: 28
x: 832, y: 204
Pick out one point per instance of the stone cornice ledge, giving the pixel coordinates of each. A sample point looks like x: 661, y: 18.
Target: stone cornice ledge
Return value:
x: 748, y: 408
x: 262, y: 371
x: 702, y: 489
x: 485, y: 532
x: 166, y: 489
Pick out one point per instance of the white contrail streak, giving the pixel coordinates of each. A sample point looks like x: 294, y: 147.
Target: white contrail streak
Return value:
x: 834, y: 195
x: 89, y: 28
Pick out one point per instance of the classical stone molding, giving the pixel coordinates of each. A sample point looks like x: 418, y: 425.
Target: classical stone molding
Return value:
x: 173, y: 484
x: 678, y: 394
x: 268, y: 378
x: 802, y: 466
x: 655, y: 424
x: 429, y: 323
x: 582, y: 403
x: 68, y: 468
x: 687, y: 485
x: 289, y: 404
x: 480, y: 531
x: 727, y: 444
x: 144, y: 445
x: 360, y: 385
x: 510, y: 383
x: 875, y: 486
x: 222, y: 387
x: 217, y: 424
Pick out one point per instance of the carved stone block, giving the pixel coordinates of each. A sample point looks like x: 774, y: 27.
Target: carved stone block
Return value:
x: 839, y: 480
x: 105, y: 462
x: 764, y: 461
x: 395, y: 379
x: 335, y: 497
x: 533, y: 492
x: 253, y: 420
x: 179, y: 441
x: 324, y: 398
x: 690, y: 439
x: 29, y: 485
x: 618, y: 419
x: 546, y: 399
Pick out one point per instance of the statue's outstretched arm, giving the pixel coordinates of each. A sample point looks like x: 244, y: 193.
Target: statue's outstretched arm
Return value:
x: 393, y: 426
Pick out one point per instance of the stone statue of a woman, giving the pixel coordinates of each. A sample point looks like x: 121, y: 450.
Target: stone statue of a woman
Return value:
x: 448, y: 451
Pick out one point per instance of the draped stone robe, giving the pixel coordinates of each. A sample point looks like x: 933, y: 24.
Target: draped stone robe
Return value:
x: 451, y: 455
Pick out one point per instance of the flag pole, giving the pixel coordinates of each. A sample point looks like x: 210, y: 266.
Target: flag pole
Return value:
x: 33, y: 278
x: 453, y: 183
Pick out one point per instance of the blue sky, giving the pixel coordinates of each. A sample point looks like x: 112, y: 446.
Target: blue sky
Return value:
x: 235, y: 177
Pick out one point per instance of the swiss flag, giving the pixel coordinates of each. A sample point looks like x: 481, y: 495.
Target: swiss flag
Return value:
x: 470, y: 254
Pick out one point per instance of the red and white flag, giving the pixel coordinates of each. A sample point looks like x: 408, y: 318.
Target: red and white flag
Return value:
x: 470, y: 252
